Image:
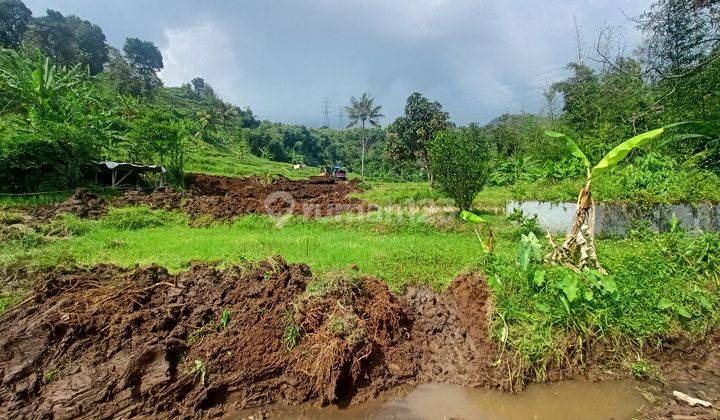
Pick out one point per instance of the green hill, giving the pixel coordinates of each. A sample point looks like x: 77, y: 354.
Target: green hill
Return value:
x: 235, y: 160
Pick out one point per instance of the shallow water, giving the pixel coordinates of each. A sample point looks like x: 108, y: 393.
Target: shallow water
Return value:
x: 615, y: 219
x: 565, y: 400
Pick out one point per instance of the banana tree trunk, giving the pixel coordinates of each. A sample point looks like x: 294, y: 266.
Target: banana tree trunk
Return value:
x: 578, y: 249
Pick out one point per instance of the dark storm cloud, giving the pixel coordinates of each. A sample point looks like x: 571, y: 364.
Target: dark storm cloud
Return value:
x: 478, y: 58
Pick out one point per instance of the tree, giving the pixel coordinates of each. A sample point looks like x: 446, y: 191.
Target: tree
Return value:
x: 14, y: 20
x: 461, y: 161
x: 581, y: 94
x: 363, y: 110
x: 578, y: 248
x: 54, y: 37
x: 130, y: 80
x: 202, y: 89
x: 143, y: 55
x: 410, y: 135
x: 679, y: 35
x: 68, y: 41
x: 90, y: 40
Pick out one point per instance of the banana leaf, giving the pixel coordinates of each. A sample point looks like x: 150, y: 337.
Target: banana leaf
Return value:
x: 471, y: 217
x: 620, y: 151
x: 571, y: 145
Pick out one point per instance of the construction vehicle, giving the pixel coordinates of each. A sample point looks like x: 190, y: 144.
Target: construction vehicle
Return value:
x: 329, y: 175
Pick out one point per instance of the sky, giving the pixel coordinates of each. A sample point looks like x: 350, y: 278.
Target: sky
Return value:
x: 283, y: 58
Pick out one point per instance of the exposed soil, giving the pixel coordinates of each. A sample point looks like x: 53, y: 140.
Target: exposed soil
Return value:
x: 114, y: 342
x: 692, y: 368
x: 223, y: 197
x: 83, y: 203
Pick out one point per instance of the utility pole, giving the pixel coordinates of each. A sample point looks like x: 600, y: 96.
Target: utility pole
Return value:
x: 326, y: 112
x: 578, y: 39
x: 341, y: 120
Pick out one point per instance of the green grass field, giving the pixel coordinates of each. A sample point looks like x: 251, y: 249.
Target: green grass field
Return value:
x: 236, y: 161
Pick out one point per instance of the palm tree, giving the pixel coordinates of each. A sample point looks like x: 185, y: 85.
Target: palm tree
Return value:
x: 363, y: 111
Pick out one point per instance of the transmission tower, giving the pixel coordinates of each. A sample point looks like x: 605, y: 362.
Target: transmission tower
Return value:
x: 326, y: 112
x: 341, y: 119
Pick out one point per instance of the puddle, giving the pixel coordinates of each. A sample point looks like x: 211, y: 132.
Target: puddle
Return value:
x: 615, y: 219
x: 565, y: 400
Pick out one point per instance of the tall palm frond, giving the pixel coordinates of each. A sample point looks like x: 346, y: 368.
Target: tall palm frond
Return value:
x: 363, y: 111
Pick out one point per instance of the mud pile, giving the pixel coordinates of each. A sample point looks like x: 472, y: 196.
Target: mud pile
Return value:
x: 82, y: 203
x: 112, y: 342
x: 223, y: 197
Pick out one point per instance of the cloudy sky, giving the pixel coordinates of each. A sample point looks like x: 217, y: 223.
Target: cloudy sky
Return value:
x: 282, y: 58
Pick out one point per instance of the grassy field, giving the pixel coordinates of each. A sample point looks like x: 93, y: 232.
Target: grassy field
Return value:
x: 408, y: 251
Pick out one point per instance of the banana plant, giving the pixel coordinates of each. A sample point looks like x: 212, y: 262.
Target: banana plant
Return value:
x: 578, y: 248
x: 477, y: 220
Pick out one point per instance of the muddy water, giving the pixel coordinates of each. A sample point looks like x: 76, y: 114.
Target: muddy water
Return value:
x: 616, y: 219
x: 566, y: 400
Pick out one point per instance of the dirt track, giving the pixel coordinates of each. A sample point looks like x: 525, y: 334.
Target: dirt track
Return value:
x: 109, y: 342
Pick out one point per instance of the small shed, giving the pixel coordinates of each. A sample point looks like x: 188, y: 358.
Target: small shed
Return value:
x: 118, y: 172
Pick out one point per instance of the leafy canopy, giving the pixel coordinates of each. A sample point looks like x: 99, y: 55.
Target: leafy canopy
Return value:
x: 143, y: 54
x: 14, y: 20
x: 461, y: 160
x: 363, y: 110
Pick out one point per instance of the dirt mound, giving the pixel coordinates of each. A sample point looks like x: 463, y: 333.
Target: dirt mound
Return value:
x: 166, y: 199
x: 83, y: 203
x: 223, y: 197
x: 227, y: 197
x: 111, y: 342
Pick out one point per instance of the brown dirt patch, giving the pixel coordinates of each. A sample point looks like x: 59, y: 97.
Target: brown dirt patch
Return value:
x: 113, y: 342
x: 693, y: 368
x: 223, y: 197
x: 83, y: 203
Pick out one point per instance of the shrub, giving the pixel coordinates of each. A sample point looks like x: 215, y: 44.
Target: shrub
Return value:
x: 50, y: 157
x: 461, y: 161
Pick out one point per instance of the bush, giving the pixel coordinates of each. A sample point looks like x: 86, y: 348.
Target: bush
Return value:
x: 461, y: 161
x: 133, y: 218
x: 51, y: 157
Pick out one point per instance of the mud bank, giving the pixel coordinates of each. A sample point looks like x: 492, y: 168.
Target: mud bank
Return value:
x: 110, y: 342
x: 693, y: 368
x: 114, y: 342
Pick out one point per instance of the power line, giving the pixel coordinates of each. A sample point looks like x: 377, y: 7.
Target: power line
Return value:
x: 341, y: 121
x: 326, y: 112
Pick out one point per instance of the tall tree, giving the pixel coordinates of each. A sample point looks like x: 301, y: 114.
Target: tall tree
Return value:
x: 53, y: 36
x: 143, y: 54
x: 68, y: 41
x: 679, y: 35
x: 363, y: 111
x: 130, y: 80
x: 410, y: 135
x: 90, y: 40
x: 14, y: 20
